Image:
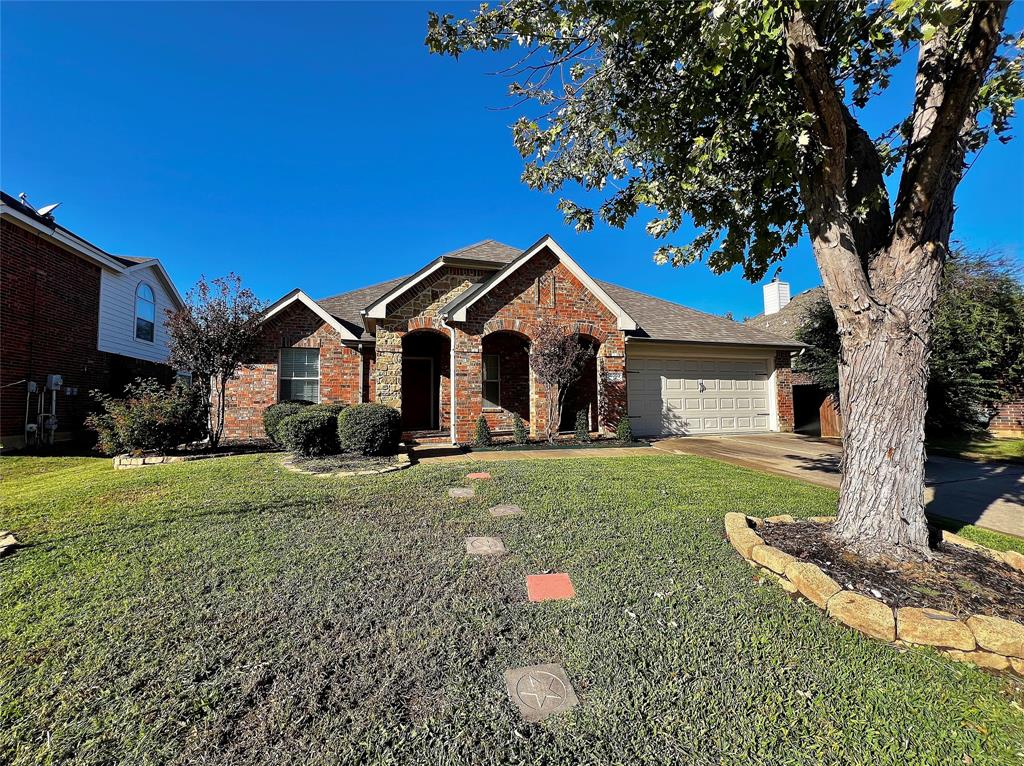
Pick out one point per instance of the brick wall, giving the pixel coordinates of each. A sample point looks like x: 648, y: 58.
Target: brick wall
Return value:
x: 1009, y: 419
x: 540, y: 291
x: 256, y: 387
x: 49, y: 323
x: 784, y: 390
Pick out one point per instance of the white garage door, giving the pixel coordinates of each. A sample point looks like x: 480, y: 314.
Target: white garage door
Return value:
x: 698, y: 396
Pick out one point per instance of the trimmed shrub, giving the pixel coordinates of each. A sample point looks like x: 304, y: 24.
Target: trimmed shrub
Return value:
x: 482, y: 437
x: 150, y: 417
x: 520, y: 434
x: 275, y: 413
x: 582, y: 426
x: 370, y: 429
x: 624, y: 431
x: 311, y: 432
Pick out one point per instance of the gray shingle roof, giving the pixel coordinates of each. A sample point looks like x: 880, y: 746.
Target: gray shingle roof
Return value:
x: 658, y: 319
x: 787, y: 321
x: 663, y: 320
x: 489, y: 251
x: 346, y: 306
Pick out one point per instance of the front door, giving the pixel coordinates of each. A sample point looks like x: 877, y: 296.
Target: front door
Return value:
x: 419, y: 412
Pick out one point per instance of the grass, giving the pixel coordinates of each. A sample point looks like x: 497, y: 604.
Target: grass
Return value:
x: 227, y: 611
x: 1008, y: 449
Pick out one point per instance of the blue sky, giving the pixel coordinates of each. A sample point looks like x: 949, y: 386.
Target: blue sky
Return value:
x: 318, y: 145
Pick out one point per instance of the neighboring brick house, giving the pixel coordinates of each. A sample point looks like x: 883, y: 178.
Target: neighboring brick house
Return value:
x: 815, y: 411
x: 71, y: 310
x: 451, y: 342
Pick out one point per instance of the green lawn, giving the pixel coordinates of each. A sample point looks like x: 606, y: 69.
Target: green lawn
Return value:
x: 980, y: 448
x: 227, y: 611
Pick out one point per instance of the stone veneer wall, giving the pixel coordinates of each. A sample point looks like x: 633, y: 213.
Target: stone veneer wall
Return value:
x: 255, y: 387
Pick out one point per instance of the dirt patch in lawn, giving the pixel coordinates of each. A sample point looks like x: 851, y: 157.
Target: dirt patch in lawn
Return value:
x: 344, y: 462
x: 955, y: 579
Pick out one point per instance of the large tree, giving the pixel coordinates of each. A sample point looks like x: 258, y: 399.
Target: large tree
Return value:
x: 742, y: 116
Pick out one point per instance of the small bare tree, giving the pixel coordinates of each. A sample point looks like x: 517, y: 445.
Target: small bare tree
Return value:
x: 558, y: 360
x: 212, y: 336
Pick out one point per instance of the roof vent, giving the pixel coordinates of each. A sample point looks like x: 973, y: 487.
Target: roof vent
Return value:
x: 776, y: 296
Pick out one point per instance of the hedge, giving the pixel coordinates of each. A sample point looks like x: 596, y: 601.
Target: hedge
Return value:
x: 370, y: 429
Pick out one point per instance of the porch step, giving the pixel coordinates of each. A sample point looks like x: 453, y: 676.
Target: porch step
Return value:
x: 426, y: 437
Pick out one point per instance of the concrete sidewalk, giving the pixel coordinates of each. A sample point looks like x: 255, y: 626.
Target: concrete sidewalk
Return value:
x: 989, y: 495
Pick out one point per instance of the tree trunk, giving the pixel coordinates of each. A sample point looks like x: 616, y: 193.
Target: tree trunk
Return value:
x: 883, y: 380
x: 882, y: 394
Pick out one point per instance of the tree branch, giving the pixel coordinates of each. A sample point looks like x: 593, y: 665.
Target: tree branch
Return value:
x: 948, y: 81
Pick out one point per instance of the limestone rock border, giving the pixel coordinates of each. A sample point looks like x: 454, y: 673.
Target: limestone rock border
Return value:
x: 125, y: 461
x: 402, y: 461
x: 988, y: 642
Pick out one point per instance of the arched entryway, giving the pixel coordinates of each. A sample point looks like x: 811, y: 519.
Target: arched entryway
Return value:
x: 583, y: 396
x: 426, y: 362
x: 505, y: 378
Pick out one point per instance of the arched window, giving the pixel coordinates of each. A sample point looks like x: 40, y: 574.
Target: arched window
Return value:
x: 145, y: 312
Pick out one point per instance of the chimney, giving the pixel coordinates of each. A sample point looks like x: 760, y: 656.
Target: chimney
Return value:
x: 776, y: 296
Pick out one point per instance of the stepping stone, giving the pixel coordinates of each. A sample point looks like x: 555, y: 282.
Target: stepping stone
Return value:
x: 549, y: 587
x: 540, y: 691
x: 8, y: 542
x: 506, y: 510
x: 478, y: 475
x: 461, y: 492
x: 484, y: 546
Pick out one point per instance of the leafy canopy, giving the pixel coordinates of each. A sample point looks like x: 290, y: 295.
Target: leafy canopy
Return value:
x: 690, y: 109
x: 977, y: 343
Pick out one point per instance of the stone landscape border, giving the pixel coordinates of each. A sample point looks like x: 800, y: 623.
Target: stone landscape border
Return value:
x: 402, y: 458
x: 129, y: 461
x: 988, y: 642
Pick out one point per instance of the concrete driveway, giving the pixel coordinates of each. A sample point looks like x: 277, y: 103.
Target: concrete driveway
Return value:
x: 990, y: 495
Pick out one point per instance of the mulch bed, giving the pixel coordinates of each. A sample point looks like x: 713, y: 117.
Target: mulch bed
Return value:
x: 955, y: 579
x: 344, y: 462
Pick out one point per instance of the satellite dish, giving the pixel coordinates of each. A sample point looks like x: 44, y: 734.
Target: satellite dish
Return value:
x: 47, y: 210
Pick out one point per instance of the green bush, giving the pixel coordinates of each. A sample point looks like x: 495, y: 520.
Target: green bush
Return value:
x: 275, y: 413
x: 520, y: 434
x: 311, y: 432
x: 370, y: 429
x: 582, y: 426
x: 482, y: 437
x: 150, y: 417
x: 624, y: 431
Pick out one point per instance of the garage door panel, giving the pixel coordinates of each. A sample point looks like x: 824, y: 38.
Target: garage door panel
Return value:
x: 699, y: 396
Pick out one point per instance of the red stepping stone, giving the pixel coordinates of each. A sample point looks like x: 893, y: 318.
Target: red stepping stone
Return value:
x: 478, y: 475
x: 549, y: 587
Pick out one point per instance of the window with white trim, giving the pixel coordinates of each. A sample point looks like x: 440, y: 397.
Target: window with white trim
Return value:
x: 145, y: 313
x: 300, y: 374
x: 492, y: 381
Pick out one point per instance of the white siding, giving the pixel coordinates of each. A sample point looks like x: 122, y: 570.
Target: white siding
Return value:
x: 117, y: 314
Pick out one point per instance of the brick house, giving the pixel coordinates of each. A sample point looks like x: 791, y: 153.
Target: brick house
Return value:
x: 72, y: 318
x: 451, y: 342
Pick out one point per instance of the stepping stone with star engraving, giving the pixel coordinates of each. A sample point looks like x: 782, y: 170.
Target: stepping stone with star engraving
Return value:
x: 540, y: 691
x: 549, y: 587
x: 505, y: 510
x: 461, y: 492
x: 478, y: 475
x: 484, y: 546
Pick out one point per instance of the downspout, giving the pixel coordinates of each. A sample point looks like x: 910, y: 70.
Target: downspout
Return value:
x: 359, y: 351
x: 451, y: 380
